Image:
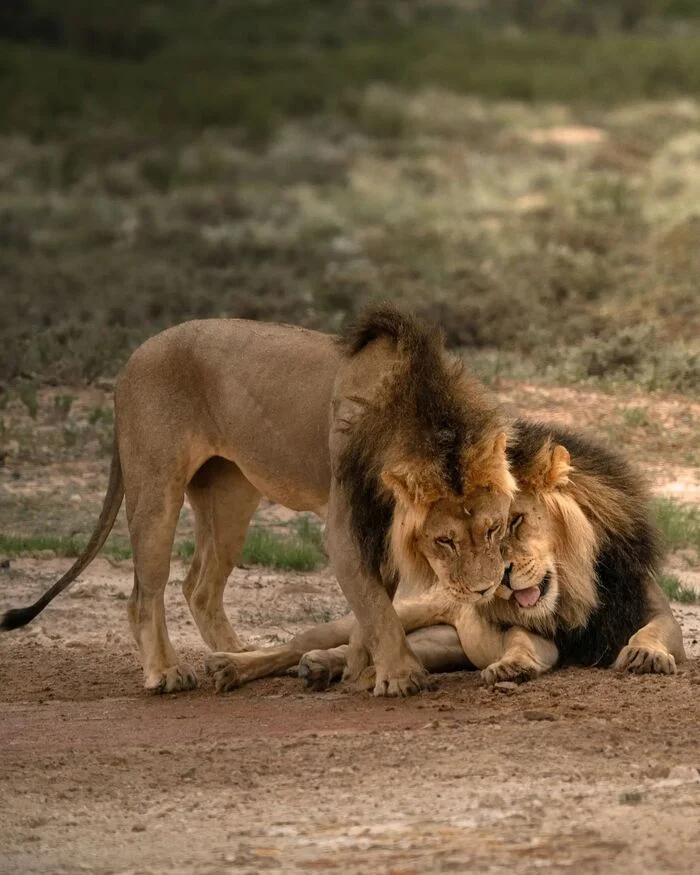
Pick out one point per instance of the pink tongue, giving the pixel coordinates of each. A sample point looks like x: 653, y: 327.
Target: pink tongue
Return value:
x: 526, y: 598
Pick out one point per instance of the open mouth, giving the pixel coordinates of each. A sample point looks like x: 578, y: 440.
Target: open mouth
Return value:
x: 529, y: 597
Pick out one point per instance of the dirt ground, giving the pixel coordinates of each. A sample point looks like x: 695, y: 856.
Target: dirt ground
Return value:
x: 583, y: 771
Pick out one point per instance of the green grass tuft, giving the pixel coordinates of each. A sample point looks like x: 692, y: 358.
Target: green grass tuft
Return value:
x: 283, y: 552
x: 676, y: 591
x: 17, y: 545
x: 680, y: 523
x: 301, y: 551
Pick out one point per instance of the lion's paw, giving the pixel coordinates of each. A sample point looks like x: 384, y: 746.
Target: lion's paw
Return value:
x: 222, y: 668
x: 508, y: 670
x: 174, y: 679
x: 644, y: 660
x: 401, y: 685
x: 365, y: 681
x: 316, y: 671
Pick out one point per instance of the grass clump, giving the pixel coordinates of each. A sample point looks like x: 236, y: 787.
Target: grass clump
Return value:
x: 680, y: 523
x: 282, y: 552
x: 676, y: 591
x: 300, y: 551
x: 65, y: 547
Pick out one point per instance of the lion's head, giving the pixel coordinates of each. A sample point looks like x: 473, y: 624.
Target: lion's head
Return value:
x: 548, y: 549
x: 419, y: 449
x: 453, y: 537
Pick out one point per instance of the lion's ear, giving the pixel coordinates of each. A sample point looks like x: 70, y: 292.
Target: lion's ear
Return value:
x: 552, y: 467
x: 559, y: 468
x: 486, y: 464
x: 549, y: 469
x: 413, y: 484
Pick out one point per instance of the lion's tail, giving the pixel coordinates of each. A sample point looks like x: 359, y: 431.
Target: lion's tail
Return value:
x: 415, y: 337
x: 18, y: 617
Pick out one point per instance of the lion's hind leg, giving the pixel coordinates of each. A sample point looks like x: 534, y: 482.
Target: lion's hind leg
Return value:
x: 223, y: 501
x: 657, y: 647
x: 152, y: 520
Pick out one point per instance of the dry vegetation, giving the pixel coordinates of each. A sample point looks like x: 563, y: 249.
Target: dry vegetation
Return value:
x: 528, y: 177
x: 290, y: 161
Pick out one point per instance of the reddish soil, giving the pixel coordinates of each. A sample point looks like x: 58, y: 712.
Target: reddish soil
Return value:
x: 584, y: 771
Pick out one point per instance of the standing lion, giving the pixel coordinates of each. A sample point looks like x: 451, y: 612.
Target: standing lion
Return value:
x: 382, y: 434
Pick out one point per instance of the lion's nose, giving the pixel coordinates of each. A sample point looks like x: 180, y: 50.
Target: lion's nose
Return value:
x: 505, y: 580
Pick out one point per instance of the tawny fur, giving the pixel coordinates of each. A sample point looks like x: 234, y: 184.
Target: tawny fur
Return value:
x: 603, y: 605
x: 227, y: 411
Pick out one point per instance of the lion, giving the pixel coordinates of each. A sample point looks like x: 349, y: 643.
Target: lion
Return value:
x: 579, y: 584
x: 381, y: 433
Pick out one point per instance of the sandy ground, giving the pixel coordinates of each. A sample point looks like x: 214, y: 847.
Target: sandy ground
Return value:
x: 582, y: 771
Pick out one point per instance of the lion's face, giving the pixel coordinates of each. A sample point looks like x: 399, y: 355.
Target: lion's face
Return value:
x: 530, y: 580
x: 460, y: 540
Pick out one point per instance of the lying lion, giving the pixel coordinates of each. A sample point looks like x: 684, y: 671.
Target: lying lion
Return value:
x: 382, y: 434
x: 578, y: 587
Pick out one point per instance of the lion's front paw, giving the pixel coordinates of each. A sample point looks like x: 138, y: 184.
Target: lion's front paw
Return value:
x: 222, y: 668
x: 317, y: 671
x: 365, y: 681
x: 509, y: 670
x: 406, y: 682
x: 644, y: 660
x: 174, y: 679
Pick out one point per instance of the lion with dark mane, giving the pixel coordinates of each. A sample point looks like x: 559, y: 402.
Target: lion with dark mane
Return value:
x: 579, y: 587
x: 382, y: 433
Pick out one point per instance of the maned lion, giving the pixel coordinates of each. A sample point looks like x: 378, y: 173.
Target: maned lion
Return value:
x: 578, y: 587
x: 381, y: 433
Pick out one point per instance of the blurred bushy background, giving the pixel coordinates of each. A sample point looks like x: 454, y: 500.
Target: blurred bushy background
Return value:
x: 526, y: 172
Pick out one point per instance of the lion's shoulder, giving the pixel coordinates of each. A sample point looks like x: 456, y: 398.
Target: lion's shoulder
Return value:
x: 615, y: 499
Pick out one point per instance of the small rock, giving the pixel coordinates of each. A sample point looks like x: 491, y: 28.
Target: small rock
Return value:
x: 189, y: 773
x: 684, y: 773
x: 506, y: 686
x: 4, y: 563
x: 536, y: 714
x: 657, y: 771
x: 138, y: 827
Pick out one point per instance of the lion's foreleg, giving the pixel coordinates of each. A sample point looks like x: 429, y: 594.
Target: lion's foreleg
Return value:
x: 523, y: 656
x: 318, y: 669
x: 399, y: 673
x: 437, y: 646
x: 232, y: 670
x: 439, y: 649
x: 657, y: 647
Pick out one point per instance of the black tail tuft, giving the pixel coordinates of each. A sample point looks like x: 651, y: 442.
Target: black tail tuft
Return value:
x: 386, y: 320
x: 18, y: 617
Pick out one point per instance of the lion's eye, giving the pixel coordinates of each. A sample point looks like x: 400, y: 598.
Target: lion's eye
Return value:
x: 445, y: 542
x: 493, y: 532
x: 515, y: 522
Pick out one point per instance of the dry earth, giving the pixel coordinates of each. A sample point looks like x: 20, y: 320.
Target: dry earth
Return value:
x: 583, y: 771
